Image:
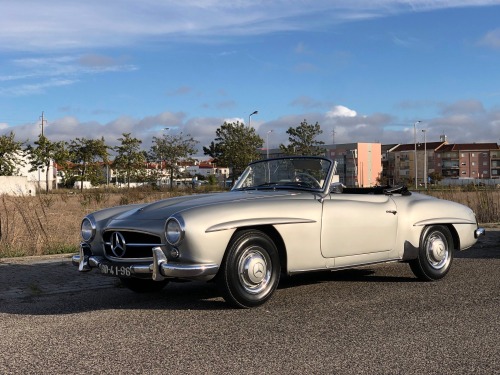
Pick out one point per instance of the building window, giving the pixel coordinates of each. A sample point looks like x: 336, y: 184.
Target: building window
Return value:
x: 485, y: 163
x: 473, y: 155
x: 473, y: 163
x: 463, y: 155
x: 463, y: 172
x: 463, y: 163
x: 485, y: 172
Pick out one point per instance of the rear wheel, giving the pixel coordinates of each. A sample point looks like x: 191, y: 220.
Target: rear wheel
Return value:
x: 435, y: 253
x: 251, y: 270
x: 143, y: 285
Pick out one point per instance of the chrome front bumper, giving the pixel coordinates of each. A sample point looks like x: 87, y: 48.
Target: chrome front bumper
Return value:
x: 479, y: 232
x: 159, y: 270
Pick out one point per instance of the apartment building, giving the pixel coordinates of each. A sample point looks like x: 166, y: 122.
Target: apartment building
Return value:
x: 469, y: 161
x: 449, y: 161
x: 404, y: 164
x: 358, y: 164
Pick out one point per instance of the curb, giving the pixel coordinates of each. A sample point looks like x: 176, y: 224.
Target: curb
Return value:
x: 37, y: 259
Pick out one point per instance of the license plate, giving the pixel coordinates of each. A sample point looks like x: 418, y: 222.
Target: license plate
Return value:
x: 113, y: 270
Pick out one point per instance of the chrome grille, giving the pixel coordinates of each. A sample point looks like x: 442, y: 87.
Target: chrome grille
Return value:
x: 128, y: 245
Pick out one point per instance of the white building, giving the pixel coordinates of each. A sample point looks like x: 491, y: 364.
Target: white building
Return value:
x: 26, y: 182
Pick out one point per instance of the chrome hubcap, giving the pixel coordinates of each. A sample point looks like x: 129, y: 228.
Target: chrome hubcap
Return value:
x: 437, y: 251
x: 253, y: 270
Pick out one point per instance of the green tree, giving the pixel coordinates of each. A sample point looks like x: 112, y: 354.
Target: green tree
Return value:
x: 235, y: 146
x: 129, y: 158
x: 302, y: 140
x: 171, y: 149
x: 44, y: 153
x: 11, y: 155
x: 89, y: 155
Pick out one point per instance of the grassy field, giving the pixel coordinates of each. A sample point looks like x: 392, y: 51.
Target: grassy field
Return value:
x: 50, y: 223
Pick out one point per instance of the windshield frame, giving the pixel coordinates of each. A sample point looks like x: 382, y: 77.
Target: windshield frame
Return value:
x: 238, y: 186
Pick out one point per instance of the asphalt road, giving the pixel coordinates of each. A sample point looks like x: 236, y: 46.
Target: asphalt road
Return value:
x: 372, y: 320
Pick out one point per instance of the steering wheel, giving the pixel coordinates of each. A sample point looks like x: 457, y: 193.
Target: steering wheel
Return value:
x: 308, y: 180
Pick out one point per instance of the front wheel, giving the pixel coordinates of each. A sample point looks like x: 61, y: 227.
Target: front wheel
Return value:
x: 435, y: 253
x: 251, y: 270
x: 143, y: 285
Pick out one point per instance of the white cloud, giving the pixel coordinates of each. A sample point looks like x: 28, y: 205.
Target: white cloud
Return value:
x: 58, y: 25
x: 46, y: 72
x: 491, y: 39
x: 460, y: 127
x: 341, y: 111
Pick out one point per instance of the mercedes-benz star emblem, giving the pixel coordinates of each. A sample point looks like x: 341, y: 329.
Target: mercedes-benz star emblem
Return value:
x: 258, y: 270
x: 118, y: 244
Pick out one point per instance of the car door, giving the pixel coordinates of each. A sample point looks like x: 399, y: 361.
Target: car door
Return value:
x: 356, y: 224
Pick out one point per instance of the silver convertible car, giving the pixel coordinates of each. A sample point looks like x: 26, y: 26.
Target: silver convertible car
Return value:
x: 284, y: 216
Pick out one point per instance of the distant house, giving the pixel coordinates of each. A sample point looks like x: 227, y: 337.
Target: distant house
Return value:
x: 26, y: 182
x: 207, y: 168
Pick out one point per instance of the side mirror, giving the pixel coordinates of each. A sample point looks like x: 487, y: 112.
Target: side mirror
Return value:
x: 337, y: 188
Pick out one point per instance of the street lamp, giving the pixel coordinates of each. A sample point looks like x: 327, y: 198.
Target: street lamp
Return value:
x: 425, y: 158
x: 415, y: 141
x: 267, y: 143
x: 250, y: 115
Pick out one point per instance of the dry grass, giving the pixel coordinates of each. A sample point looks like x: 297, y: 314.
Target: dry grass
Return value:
x: 50, y: 224
x: 485, y: 203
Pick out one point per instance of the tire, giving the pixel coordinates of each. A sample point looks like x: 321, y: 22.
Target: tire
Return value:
x: 435, y: 253
x: 250, y: 271
x: 143, y: 285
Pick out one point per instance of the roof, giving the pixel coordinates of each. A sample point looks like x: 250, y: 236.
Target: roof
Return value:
x: 470, y: 147
x: 420, y: 146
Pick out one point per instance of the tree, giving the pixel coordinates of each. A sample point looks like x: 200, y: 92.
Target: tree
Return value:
x: 235, y: 146
x: 89, y: 154
x: 170, y: 149
x: 11, y: 155
x: 44, y: 154
x: 436, y: 177
x: 302, y: 140
x: 129, y: 157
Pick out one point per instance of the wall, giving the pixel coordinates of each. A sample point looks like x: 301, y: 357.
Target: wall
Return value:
x: 17, y: 185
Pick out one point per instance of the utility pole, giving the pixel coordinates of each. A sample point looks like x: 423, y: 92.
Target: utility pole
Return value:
x: 43, y: 121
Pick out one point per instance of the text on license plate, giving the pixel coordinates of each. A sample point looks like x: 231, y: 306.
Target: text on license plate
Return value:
x: 113, y: 270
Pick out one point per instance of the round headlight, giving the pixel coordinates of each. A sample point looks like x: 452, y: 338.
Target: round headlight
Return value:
x: 88, y: 229
x: 173, y: 231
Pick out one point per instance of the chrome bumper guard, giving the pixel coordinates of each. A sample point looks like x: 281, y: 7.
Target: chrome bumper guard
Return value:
x: 479, y: 232
x: 159, y: 270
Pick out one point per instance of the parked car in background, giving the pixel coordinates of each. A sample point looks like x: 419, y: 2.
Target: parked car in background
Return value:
x: 284, y: 216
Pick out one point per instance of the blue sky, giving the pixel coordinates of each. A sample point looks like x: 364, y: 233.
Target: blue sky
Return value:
x: 365, y: 70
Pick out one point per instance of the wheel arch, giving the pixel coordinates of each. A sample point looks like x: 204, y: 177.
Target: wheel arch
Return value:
x: 454, y: 234
x: 411, y: 251
x: 272, y: 233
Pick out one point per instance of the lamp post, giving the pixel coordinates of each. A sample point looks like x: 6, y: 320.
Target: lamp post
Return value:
x: 161, y: 158
x: 267, y: 143
x: 425, y: 158
x: 415, y: 142
x: 250, y: 115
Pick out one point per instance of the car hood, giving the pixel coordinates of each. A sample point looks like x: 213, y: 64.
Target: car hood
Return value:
x: 165, y: 208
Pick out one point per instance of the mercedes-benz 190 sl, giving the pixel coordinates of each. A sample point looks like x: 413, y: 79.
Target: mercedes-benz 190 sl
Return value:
x: 283, y: 216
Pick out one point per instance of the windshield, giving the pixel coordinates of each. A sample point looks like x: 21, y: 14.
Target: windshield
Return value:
x: 291, y: 172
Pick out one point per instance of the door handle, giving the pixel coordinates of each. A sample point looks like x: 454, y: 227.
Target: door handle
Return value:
x: 391, y: 212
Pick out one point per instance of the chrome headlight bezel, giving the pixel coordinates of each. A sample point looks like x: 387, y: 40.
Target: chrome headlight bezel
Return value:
x: 174, y: 230
x: 88, y: 229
